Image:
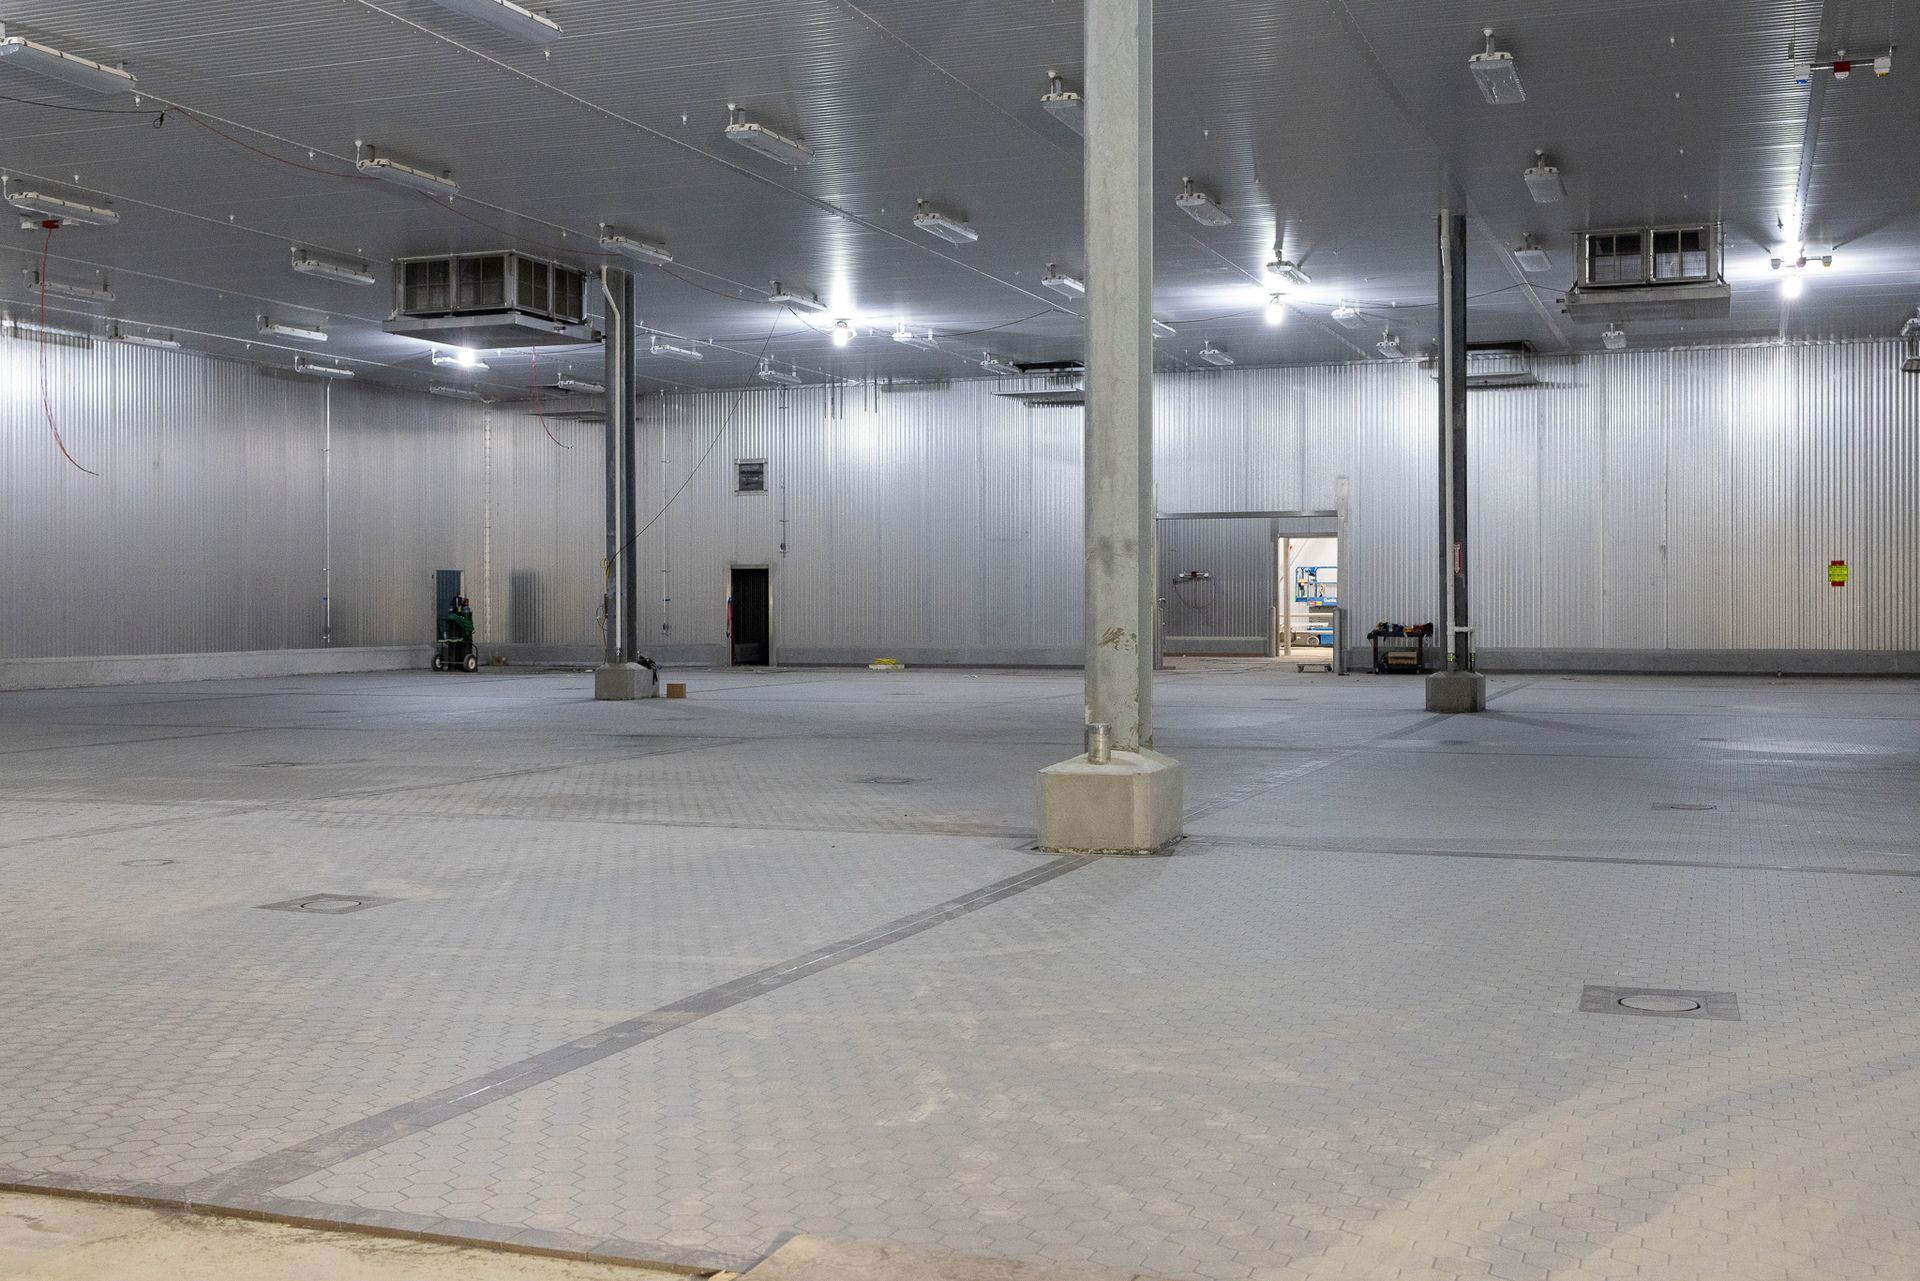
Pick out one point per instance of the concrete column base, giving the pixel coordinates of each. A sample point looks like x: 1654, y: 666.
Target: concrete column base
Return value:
x: 1133, y: 805
x: 622, y: 682
x: 1456, y: 692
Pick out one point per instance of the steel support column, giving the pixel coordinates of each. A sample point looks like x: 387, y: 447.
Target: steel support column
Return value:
x: 627, y: 674
x: 1459, y: 688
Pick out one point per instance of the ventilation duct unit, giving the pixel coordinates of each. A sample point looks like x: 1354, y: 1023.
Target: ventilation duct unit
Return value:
x: 1505, y: 364
x: 489, y: 301
x: 1670, y: 272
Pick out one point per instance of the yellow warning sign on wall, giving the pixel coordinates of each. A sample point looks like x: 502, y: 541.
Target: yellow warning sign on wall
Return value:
x: 1836, y: 573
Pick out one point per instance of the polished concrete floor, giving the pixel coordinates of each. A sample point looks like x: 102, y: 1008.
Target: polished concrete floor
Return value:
x: 673, y: 980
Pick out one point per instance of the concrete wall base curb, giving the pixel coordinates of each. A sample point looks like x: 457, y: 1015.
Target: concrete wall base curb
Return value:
x: 142, y: 669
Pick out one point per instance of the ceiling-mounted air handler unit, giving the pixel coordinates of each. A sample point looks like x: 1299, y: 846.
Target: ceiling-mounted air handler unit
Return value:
x: 488, y: 301
x: 1673, y: 272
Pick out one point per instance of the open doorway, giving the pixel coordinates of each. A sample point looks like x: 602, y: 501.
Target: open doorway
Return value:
x: 750, y: 616
x: 1309, y: 594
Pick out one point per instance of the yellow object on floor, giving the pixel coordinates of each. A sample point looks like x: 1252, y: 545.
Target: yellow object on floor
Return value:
x: 676, y: 690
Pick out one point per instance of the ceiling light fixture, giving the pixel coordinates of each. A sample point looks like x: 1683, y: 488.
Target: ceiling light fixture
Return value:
x: 1201, y: 207
x: 644, y: 251
x: 1389, y: 346
x: 67, y: 289
x: 1348, y: 316
x: 454, y: 393
x: 26, y: 329
x: 301, y: 365
x: 842, y: 333
x: 798, y: 299
x: 347, y: 270
x: 768, y: 142
x: 1276, y: 310
x: 946, y: 226
x: 994, y: 365
x: 786, y: 378
x: 1497, y: 75
x: 1065, y: 286
x: 52, y: 64
x: 1064, y: 105
x: 164, y: 342
x: 368, y: 162
x: 567, y: 382
x: 1214, y: 356
x: 1544, y: 182
x: 268, y: 325
x: 673, y: 351
x: 1285, y: 273
x: 925, y: 342
x: 61, y: 209
x: 1614, y: 339
x: 1792, y: 286
x: 504, y: 15
x: 1531, y: 257
x: 1161, y: 329
x: 459, y: 358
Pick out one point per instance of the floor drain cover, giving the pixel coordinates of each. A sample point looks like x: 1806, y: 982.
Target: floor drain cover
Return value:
x: 328, y: 904
x: 1678, y: 805
x: 1659, y: 1002
x: 146, y: 862
x: 274, y: 764
x: 886, y: 780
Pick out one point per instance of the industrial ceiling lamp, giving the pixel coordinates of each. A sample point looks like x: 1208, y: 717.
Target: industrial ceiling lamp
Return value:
x: 458, y: 358
x: 1161, y: 329
x: 674, y: 351
x: 1201, y: 207
x: 347, y: 270
x: 302, y: 365
x: 906, y: 337
x: 1348, y: 316
x: 1531, y: 257
x: 785, y: 377
x: 1276, y: 312
x: 1214, y: 356
x: 1910, y: 345
x: 1497, y: 75
x: 454, y: 393
x: 1614, y: 339
x: 374, y: 165
x: 944, y: 225
x: 1285, y: 275
x: 70, y: 289
x: 163, y: 342
x: 994, y: 365
x: 580, y: 386
x: 642, y: 251
x: 843, y: 333
x: 21, y: 54
x: 280, y: 329
x: 1543, y: 180
x: 1389, y: 345
x: 798, y: 299
x: 61, y: 209
x: 505, y: 15
x: 767, y: 142
x: 1065, y: 286
x: 1064, y: 105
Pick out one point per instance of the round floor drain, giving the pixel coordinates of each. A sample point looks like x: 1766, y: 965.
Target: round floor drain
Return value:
x: 1660, y: 1004
x: 146, y: 862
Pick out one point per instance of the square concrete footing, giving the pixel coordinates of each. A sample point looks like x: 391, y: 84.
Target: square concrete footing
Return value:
x: 1456, y: 692
x: 1135, y: 804
x: 621, y: 682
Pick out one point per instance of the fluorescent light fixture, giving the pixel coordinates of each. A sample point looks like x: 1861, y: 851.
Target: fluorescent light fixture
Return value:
x: 673, y: 351
x: 1161, y: 329
x: 67, y: 289
x: 1065, y: 286
x: 946, y: 226
x: 165, y: 342
x: 61, y: 209
x: 842, y: 333
x: 1615, y: 339
x: 785, y: 377
x: 28, y: 330
x: 924, y: 342
x: 994, y: 365
x: 639, y: 250
x: 301, y: 365
x: 1497, y: 75
x: 768, y: 142
x: 1532, y: 257
x: 567, y: 382
x: 504, y: 15
x: 268, y: 325
x: 1389, y: 346
x: 1214, y: 356
x: 1544, y: 182
x: 398, y: 171
x: 454, y: 393
x: 1201, y: 207
x: 1064, y: 105
x: 1287, y: 274
x: 347, y: 270
x: 1911, y: 329
x: 1348, y: 316
x: 459, y: 358
x: 1276, y: 310
x: 798, y: 299
x: 52, y: 64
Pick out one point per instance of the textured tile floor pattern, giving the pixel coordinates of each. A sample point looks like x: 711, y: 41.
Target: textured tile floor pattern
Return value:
x: 678, y: 979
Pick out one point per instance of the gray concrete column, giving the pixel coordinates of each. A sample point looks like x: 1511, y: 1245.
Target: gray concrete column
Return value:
x: 1459, y: 688
x: 1126, y: 799
x: 625, y: 674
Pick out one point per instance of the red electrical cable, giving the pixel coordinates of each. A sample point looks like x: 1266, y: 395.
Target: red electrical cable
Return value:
x: 533, y: 376
x: 46, y: 394
x: 268, y: 155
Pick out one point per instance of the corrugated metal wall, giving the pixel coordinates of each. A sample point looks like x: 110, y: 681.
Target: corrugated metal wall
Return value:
x: 1658, y: 500
x: 1230, y: 611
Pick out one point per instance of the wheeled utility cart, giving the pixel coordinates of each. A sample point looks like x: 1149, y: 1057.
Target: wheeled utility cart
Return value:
x: 1400, y: 648
x: 453, y: 648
